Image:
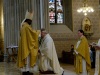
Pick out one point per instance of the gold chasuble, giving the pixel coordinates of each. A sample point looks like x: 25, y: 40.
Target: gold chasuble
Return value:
x: 28, y: 45
x: 83, y: 53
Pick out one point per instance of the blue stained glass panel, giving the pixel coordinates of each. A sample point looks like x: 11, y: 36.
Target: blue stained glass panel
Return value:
x: 55, y: 11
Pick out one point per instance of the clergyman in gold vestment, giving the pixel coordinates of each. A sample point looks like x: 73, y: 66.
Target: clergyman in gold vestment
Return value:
x: 82, y: 60
x: 28, y: 46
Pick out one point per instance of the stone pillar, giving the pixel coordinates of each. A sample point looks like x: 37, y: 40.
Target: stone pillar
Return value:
x: 45, y: 14
x: 36, y: 17
x: 41, y: 16
x: 1, y: 28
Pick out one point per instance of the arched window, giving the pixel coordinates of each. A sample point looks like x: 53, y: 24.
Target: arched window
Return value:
x: 56, y: 15
x: 60, y: 13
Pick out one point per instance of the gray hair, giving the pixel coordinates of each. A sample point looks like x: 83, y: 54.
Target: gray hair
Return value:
x: 44, y: 30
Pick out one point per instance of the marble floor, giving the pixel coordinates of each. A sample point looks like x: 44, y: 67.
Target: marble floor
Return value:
x: 11, y: 69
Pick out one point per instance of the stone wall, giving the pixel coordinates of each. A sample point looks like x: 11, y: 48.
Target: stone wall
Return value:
x: 64, y: 37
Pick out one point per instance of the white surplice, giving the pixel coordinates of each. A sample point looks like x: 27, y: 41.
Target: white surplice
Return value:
x: 27, y: 67
x: 97, y: 64
x: 48, y: 59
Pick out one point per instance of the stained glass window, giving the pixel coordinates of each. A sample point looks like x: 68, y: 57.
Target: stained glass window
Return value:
x: 55, y: 11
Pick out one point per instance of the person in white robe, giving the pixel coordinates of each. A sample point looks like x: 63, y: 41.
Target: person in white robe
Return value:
x: 97, y: 64
x: 48, y: 60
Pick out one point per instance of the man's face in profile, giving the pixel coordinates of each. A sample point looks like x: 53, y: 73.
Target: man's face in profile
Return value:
x: 42, y: 34
x: 79, y: 34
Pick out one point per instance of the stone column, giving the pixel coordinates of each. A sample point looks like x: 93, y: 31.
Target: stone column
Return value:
x: 36, y: 17
x: 44, y: 7
x: 46, y: 14
x: 41, y: 16
x: 1, y: 28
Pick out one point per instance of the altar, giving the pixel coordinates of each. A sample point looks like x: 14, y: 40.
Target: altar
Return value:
x: 11, y: 53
